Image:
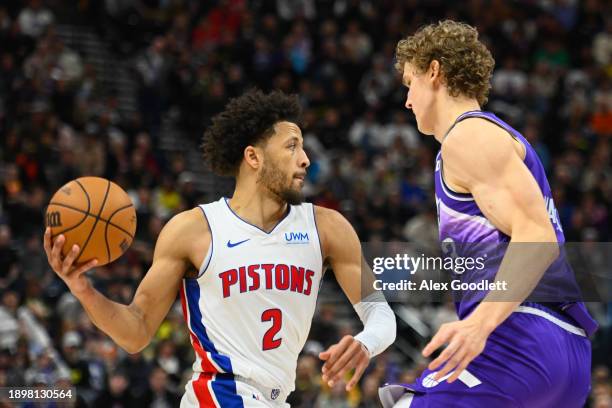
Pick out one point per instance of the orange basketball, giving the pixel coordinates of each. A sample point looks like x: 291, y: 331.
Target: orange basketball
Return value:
x: 97, y: 215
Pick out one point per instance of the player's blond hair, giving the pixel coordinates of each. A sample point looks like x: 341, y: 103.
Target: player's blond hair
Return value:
x: 465, y: 63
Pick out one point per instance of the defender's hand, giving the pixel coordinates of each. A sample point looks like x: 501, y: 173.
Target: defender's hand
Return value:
x: 465, y: 338
x: 343, y: 356
x: 72, y: 275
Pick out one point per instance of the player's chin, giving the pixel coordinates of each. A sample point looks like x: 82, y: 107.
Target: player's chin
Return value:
x: 297, y: 183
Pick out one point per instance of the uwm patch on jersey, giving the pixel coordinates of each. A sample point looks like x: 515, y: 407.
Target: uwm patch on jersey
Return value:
x: 250, y: 308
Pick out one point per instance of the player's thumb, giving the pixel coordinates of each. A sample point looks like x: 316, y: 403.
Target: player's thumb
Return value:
x: 324, y: 355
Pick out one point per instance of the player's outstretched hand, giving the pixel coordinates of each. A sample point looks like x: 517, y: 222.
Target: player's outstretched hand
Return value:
x: 343, y: 356
x: 465, y: 338
x: 72, y: 275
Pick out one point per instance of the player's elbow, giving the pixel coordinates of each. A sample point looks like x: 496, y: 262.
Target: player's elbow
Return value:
x: 548, y: 240
x: 136, y: 346
x: 542, y: 237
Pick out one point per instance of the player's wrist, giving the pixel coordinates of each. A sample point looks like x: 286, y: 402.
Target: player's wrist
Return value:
x: 82, y: 289
x: 489, y: 315
x: 365, y: 348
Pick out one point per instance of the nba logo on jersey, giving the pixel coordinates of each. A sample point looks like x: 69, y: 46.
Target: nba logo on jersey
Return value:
x: 275, y: 393
x: 296, y: 237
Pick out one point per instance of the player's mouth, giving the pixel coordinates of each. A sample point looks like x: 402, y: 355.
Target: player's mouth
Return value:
x: 300, y: 176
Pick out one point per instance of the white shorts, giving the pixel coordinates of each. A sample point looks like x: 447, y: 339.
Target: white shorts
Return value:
x: 229, y: 391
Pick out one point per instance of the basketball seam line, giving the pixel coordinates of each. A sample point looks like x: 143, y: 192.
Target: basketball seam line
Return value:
x: 84, y: 218
x: 93, y: 228
x: 110, y: 217
x: 91, y: 215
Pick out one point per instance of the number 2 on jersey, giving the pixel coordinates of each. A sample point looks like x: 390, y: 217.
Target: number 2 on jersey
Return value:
x: 269, y: 342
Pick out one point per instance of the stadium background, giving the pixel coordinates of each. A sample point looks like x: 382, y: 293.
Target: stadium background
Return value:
x: 124, y: 89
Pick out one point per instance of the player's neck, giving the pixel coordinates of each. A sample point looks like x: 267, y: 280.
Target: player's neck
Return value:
x: 449, y: 110
x: 257, y: 208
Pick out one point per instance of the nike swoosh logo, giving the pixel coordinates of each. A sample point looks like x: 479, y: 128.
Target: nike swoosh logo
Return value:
x: 230, y: 245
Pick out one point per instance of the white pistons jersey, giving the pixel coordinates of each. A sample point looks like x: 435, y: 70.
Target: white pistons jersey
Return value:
x: 250, y: 309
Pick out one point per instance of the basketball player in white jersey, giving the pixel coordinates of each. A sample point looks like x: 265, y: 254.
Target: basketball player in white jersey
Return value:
x: 247, y: 269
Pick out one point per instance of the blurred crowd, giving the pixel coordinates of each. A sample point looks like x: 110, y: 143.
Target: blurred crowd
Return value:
x: 58, y: 121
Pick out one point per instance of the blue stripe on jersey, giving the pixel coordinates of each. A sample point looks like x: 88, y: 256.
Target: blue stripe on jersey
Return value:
x: 192, y: 289
x: 224, y: 388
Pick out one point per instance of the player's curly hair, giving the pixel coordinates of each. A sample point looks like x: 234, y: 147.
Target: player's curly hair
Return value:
x: 247, y: 120
x: 465, y: 62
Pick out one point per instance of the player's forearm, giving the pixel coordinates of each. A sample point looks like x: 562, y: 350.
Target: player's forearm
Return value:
x: 379, y: 326
x: 526, y: 259
x: 121, y: 322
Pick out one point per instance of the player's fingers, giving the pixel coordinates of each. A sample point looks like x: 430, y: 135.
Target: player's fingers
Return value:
x: 339, y: 374
x: 451, y: 364
x: 338, y: 351
x: 85, y: 268
x: 343, y: 360
x: 462, y: 366
x: 441, y: 337
x: 358, y: 373
x: 324, y: 355
x: 56, y: 254
x: 47, y: 241
x: 56, y: 251
x: 69, y: 259
x: 454, y: 345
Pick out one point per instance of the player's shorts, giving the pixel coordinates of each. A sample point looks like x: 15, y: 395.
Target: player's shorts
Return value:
x: 536, y: 358
x: 207, y: 390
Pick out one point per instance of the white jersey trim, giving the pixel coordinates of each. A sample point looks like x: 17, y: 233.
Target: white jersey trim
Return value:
x: 242, y: 220
x: 566, y: 326
x: 208, y: 257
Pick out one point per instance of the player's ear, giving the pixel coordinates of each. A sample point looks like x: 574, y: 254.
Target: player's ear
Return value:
x: 434, y: 70
x: 253, y: 157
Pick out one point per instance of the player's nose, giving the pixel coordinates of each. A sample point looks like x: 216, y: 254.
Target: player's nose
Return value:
x: 304, y: 161
x: 408, y: 104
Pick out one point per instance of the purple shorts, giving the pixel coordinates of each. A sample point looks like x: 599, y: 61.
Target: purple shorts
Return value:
x: 536, y: 358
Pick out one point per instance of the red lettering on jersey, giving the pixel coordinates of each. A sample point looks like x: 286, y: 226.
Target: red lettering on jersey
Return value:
x: 297, y: 279
x: 242, y: 272
x: 254, y: 276
x: 277, y: 276
x: 228, y: 278
x: 268, y: 268
x: 282, y: 277
x: 309, y: 275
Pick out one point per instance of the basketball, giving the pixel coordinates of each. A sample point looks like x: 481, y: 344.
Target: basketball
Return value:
x: 95, y: 214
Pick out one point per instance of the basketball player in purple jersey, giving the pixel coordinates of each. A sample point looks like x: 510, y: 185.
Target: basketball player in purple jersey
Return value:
x: 247, y: 268
x: 491, y: 189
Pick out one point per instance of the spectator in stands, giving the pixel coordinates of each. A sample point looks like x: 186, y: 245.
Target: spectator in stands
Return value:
x: 35, y: 18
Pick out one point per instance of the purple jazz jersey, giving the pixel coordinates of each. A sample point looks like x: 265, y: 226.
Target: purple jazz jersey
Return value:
x: 468, y: 233
x: 539, y: 357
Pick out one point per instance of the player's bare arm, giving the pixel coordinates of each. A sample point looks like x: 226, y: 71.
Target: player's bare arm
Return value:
x: 183, y: 239
x: 483, y: 159
x: 342, y: 251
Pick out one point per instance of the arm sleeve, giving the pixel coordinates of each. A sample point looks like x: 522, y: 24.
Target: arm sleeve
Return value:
x: 379, y: 327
